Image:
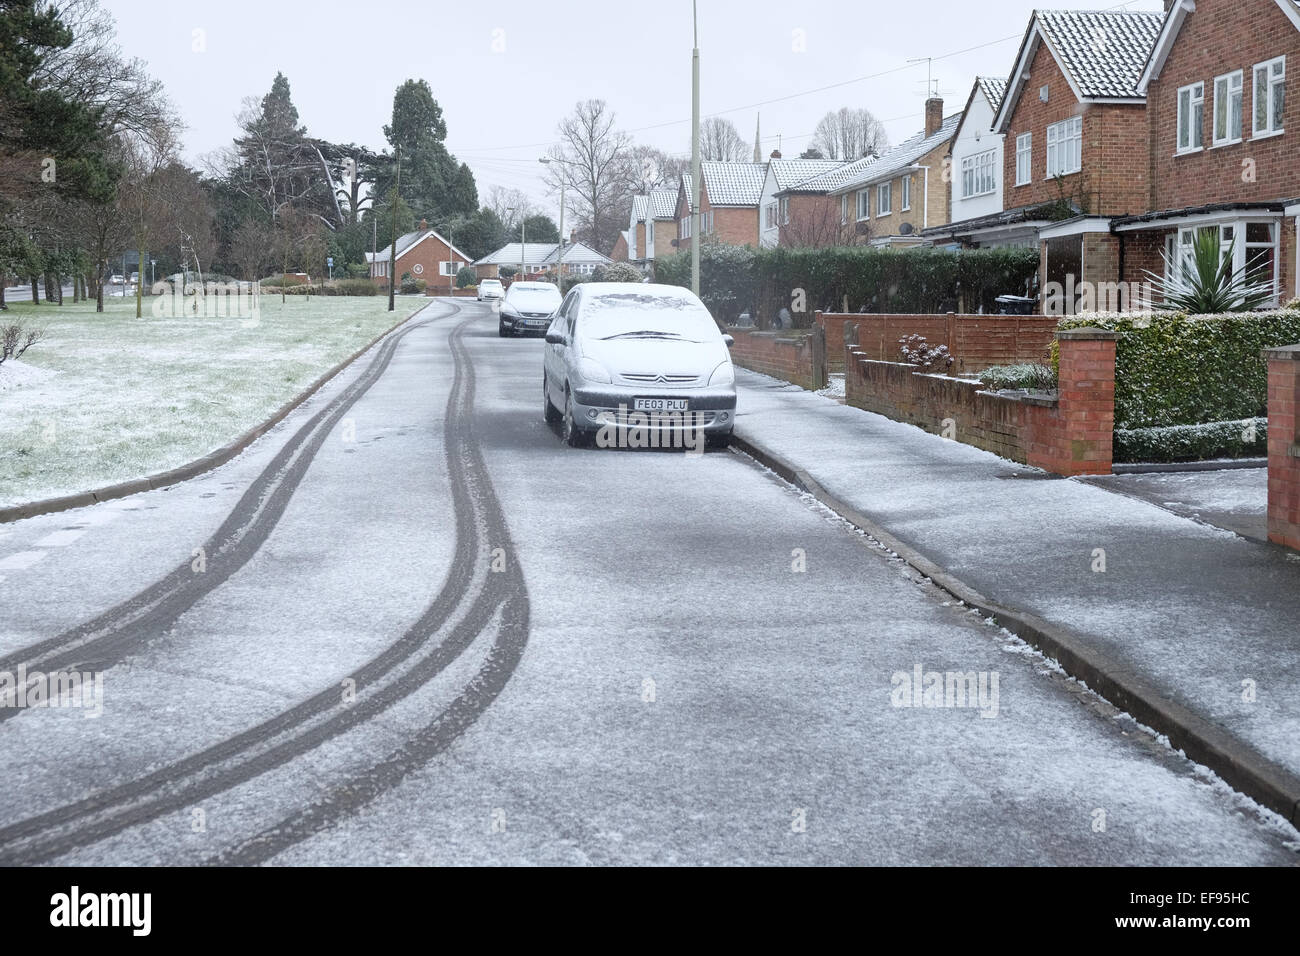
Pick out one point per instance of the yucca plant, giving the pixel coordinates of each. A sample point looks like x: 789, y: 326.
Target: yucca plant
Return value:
x: 1208, y: 284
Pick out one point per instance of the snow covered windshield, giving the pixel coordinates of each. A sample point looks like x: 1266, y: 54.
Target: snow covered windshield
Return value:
x: 644, y: 315
x: 534, y: 300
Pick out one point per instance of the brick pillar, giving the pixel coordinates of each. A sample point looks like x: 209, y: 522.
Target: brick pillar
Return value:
x: 1284, y: 445
x: 1078, y: 438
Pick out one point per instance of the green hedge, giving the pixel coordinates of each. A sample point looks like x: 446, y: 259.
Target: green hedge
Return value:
x: 1175, y: 370
x: 734, y: 279
x: 340, y: 287
x: 1236, y: 439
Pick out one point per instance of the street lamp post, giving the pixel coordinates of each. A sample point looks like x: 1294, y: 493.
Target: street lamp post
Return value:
x: 559, y: 260
x: 695, y: 154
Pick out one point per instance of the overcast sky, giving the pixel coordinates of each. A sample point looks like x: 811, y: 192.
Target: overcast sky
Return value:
x: 504, y: 72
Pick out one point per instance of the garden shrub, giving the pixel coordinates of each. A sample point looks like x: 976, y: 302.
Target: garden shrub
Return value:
x: 1027, y: 376
x: 348, y: 287
x: 1229, y: 439
x: 1172, y: 369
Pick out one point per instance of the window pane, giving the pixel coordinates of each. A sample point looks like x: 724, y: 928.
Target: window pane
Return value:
x: 1259, y: 232
x: 1279, y: 102
x: 1261, y: 100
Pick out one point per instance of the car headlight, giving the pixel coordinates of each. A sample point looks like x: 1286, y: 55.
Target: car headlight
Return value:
x: 593, y: 371
x: 724, y: 374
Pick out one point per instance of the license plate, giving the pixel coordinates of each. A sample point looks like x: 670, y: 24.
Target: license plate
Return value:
x: 661, y: 405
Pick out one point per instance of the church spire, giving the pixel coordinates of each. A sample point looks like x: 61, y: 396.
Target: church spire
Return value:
x: 758, y: 138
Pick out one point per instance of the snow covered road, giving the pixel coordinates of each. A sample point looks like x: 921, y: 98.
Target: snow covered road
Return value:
x: 410, y: 626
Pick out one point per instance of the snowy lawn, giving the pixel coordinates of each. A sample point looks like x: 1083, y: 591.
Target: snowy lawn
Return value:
x: 109, y: 397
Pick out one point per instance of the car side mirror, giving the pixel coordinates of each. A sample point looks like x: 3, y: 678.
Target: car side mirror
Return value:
x: 554, y: 338
x: 728, y: 340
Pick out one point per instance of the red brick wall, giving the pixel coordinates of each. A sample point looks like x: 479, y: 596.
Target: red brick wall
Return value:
x: 815, y: 222
x: 1284, y: 446
x: 1114, y: 176
x: 1217, y: 38
x: 975, y: 341
x: 733, y: 225
x: 780, y: 355
x: 1070, y: 436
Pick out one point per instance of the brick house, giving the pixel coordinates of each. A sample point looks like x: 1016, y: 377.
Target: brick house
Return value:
x: 653, y: 226
x: 1224, y: 139
x: 1074, y: 124
x: 810, y: 213
x: 424, y: 254
x: 729, y: 197
x: 774, y: 205
x: 620, y: 253
x: 905, y: 191
x: 979, y: 217
x: 535, y: 259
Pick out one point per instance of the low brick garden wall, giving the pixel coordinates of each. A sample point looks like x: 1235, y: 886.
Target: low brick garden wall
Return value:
x: 1070, y: 434
x: 975, y: 341
x: 1284, y: 445
x: 782, y: 355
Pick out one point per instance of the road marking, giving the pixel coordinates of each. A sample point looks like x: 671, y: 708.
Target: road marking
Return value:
x: 57, y: 539
x: 22, y: 560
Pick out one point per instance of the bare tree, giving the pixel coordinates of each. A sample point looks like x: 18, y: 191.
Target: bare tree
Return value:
x: 93, y: 70
x: 720, y: 141
x: 250, y: 248
x: 848, y: 134
x: 512, y: 206
x: 815, y: 222
x: 649, y: 168
x: 591, y: 163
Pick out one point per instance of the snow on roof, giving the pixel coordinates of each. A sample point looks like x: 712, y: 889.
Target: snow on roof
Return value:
x: 577, y: 252
x: 533, y: 253
x: 640, y: 205
x: 788, y: 172
x: 903, y: 155
x: 1102, y: 51
x: 993, y: 89
x: 733, y: 184
x: 409, y: 239
x: 663, y: 203
x: 832, y: 179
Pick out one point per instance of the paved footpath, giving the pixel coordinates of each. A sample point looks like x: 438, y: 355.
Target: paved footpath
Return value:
x: 1206, y: 624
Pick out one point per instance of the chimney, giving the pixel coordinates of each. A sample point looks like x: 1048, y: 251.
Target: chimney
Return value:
x: 424, y: 225
x: 776, y: 154
x: 933, y: 115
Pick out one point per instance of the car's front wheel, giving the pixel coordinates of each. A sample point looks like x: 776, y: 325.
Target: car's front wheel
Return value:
x: 570, y: 431
x: 502, y: 331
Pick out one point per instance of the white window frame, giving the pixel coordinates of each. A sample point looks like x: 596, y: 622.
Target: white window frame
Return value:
x: 1024, y: 158
x: 1065, y: 147
x: 978, y: 174
x: 785, y: 211
x: 1225, y: 93
x: 684, y: 227
x: 864, y: 205
x: 905, y: 194
x: 1274, y: 84
x: 1179, y: 245
x: 1191, y: 119
x: 844, y: 210
x: 447, y: 267
x: 884, y: 199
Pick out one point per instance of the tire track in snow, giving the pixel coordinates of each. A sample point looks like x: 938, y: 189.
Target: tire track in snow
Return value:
x: 275, y: 742
x: 106, y: 640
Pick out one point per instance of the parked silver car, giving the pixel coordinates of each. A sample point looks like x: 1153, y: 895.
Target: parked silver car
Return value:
x: 527, y: 308
x: 624, y: 357
x: 490, y: 289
